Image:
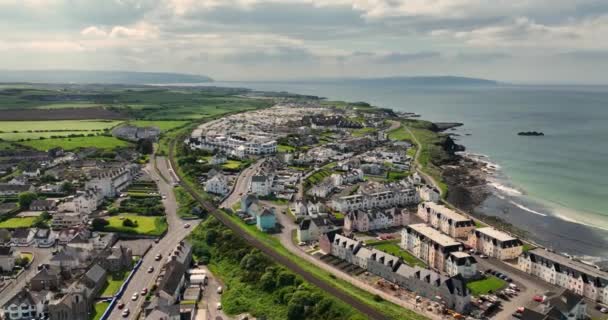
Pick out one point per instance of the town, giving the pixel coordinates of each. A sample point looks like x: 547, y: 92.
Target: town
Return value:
x: 86, y: 237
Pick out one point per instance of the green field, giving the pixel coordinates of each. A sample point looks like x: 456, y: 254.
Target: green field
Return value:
x: 100, y: 308
x: 161, y: 124
x: 285, y: 148
x: 318, y: 176
x: 363, y: 131
x: 490, y: 284
x: 185, y: 203
x: 67, y: 105
x: 113, y: 284
x: 232, y: 165
x: 392, y: 247
x: 100, y: 142
x: 400, y: 134
x: 397, y: 175
x: 17, y: 222
x: 20, y: 136
x: 151, y: 226
x: 68, y: 125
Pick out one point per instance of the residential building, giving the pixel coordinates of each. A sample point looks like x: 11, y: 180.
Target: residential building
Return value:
x: 565, y: 305
x: 375, y: 219
x: 462, y: 263
x: 7, y: 189
x: 429, y: 245
x: 494, y: 243
x: 62, y: 220
x: 578, y: 277
x: 429, y: 193
x: 25, y: 305
x: 310, y: 229
x: 117, y: 258
x: 70, y: 258
x: 43, y: 205
x: 352, y: 176
x: 234, y: 144
x: 77, y: 301
x: 7, y: 258
x: 386, y: 196
x: 84, y: 202
x: 323, y: 189
x: 218, y: 184
x: 260, y: 185
x: 266, y: 220
x: 110, y: 181
x: 23, y: 236
x: 173, y: 281
x: 218, y: 159
x: 445, y: 219
x: 48, y: 278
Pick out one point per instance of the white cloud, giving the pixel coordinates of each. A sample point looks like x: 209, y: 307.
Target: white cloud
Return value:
x: 93, y: 31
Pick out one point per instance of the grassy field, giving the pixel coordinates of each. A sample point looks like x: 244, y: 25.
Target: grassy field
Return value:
x: 397, y: 175
x: 113, y: 284
x: 67, y: 105
x: 100, y: 142
x: 317, y: 177
x: 162, y: 125
x: 151, y: 226
x: 20, y: 136
x: 18, y: 222
x: 490, y: 284
x: 285, y: 148
x: 185, y: 203
x: 363, y: 132
x: 100, y: 308
x: 400, y: 134
x: 392, y: 247
x: 232, y: 165
x: 68, y: 125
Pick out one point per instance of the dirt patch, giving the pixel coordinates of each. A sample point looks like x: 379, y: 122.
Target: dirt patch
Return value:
x: 62, y: 114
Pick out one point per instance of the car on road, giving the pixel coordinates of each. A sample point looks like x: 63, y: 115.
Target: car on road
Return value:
x: 156, y: 240
x: 538, y: 298
x: 187, y: 225
x: 144, y: 291
x: 601, y: 309
x: 120, y: 305
x: 135, y: 296
x: 219, y: 306
x: 219, y: 290
x: 483, y: 256
x: 516, y: 315
x: 158, y: 257
x: 125, y: 313
x: 151, y: 269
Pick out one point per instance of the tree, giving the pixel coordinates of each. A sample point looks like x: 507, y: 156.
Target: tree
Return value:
x: 99, y: 224
x: 22, y: 261
x: 68, y: 187
x: 129, y: 223
x: 145, y: 146
x: 26, y: 198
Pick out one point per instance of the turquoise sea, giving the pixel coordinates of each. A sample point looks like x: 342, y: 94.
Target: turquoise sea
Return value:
x: 555, y: 187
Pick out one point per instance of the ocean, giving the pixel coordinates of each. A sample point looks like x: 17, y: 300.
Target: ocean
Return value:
x: 555, y: 186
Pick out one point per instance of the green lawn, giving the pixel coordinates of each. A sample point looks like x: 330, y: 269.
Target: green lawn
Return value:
x: 392, y: 247
x: 67, y: 105
x: 527, y: 247
x: 115, y: 280
x: 100, y: 308
x: 397, y: 175
x: 163, y: 125
x: 100, y: 142
x: 18, y: 222
x: 152, y: 226
x: 363, y: 131
x: 185, y: 203
x: 490, y: 284
x: 285, y: 148
x: 399, y: 134
x: 232, y: 165
x: 318, y: 176
x: 54, y: 125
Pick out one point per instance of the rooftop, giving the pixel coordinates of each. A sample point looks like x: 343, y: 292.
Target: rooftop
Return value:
x: 445, y: 211
x: 434, y: 235
x: 495, y: 234
x: 573, y: 264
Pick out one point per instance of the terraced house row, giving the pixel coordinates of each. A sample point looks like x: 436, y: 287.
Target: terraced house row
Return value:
x: 445, y: 219
x: 452, y: 290
x: 581, y: 278
x: 385, y: 196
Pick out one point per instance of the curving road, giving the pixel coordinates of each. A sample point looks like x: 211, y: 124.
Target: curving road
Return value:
x: 175, y: 233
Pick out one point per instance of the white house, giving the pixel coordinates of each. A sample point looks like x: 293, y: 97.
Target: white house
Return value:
x: 67, y: 219
x: 7, y: 258
x: 83, y: 203
x: 429, y: 193
x: 260, y: 185
x: 494, y: 243
x: 311, y: 228
x: 111, y: 181
x: 217, y: 185
x: 369, y: 220
x: 323, y: 189
x: 25, y: 305
x: 462, y: 263
x: 391, y: 195
x: 351, y: 176
x: 218, y: 159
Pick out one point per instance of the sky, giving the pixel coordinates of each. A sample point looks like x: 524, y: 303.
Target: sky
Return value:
x: 523, y: 41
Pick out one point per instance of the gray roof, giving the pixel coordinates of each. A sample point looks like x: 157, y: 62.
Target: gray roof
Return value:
x: 566, y: 265
x: 96, y: 274
x: 173, y: 273
x: 259, y: 179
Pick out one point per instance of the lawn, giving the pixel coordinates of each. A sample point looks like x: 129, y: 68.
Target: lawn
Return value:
x: 100, y: 142
x: 285, y: 148
x: 18, y: 222
x: 162, y: 125
x: 397, y: 175
x: 57, y: 125
x: 392, y: 247
x: 363, y: 131
x: 100, y: 308
x: 527, y: 247
x: 113, y: 284
x: 489, y: 284
x: 185, y: 203
x: 151, y: 226
x: 17, y: 136
x: 232, y: 165
x: 317, y: 177
x: 399, y: 134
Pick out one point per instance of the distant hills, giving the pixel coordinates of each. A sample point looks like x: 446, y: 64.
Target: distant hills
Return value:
x: 100, y: 77
x: 426, y: 81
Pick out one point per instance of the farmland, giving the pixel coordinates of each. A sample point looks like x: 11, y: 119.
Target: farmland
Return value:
x: 162, y: 125
x: 59, y: 125
x: 100, y: 142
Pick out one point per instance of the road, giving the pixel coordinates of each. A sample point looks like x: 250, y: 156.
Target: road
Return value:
x: 211, y: 298
x: 241, y: 185
x: 41, y: 256
x: 175, y: 233
x: 365, y: 309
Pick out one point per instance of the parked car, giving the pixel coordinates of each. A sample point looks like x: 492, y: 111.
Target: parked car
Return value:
x: 144, y: 291
x: 125, y: 313
x: 604, y: 310
x: 483, y: 256
x: 507, y: 279
x: 538, y: 298
x: 151, y: 269
x: 187, y: 225
x: 158, y: 257
x: 120, y: 305
x: 516, y: 315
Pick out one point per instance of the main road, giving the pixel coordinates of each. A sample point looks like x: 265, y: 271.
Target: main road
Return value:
x: 175, y: 233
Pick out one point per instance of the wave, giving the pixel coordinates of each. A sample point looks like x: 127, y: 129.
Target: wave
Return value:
x: 508, y: 190
x: 565, y: 218
x: 521, y: 206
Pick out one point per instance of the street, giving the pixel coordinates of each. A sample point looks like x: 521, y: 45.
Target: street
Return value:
x: 41, y: 256
x: 175, y: 233
x: 241, y: 185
